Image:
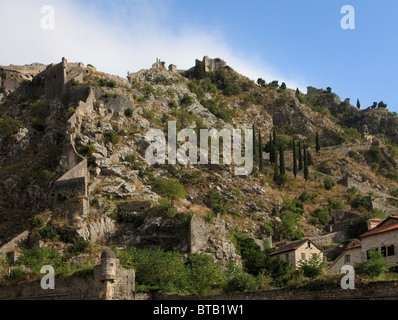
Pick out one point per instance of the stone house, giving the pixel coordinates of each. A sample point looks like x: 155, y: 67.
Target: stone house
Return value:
x: 351, y: 255
x: 297, y: 251
x: 381, y: 236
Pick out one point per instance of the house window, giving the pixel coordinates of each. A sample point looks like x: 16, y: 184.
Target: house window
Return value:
x: 303, y: 256
x: 309, y: 244
x: 391, y: 250
x: 384, y: 251
x: 347, y: 258
x: 287, y: 257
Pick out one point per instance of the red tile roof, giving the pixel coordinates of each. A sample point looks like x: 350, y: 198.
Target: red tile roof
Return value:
x: 380, y: 229
x: 353, y: 247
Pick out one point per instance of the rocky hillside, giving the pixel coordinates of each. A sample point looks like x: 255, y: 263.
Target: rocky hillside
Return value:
x: 72, y: 161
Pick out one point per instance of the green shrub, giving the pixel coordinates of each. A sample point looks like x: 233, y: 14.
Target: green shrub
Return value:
x: 359, y: 226
x: 65, y: 195
x: 9, y: 127
x: 323, y: 216
x: 46, y: 233
x: 128, y: 112
x: 204, y: 274
x: 172, y: 189
x: 394, y: 193
x: 162, y: 80
x: 110, y: 83
x: 160, y: 270
x: 165, y: 208
x: 329, y: 183
x: 307, y: 197
x: 111, y: 136
x: 186, y: 100
x: 79, y: 246
x: 36, y: 221
x: 147, y: 90
x: 374, y: 267
x: 256, y: 261
x: 38, y: 257
x: 216, y: 201
x: 123, y: 215
x: 312, y: 267
x: 242, y: 283
x: 361, y: 202
x: 194, y: 88
x: 87, y: 150
x: 39, y: 124
x: 232, y: 89
x: 18, y: 275
x: 289, y: 223
x: 173, y: 104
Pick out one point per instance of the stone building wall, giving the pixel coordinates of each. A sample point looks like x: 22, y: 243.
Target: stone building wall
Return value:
x: 355, y: 256
x: 376, y: 241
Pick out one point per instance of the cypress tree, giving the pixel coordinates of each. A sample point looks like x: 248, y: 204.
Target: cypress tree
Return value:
x: 358, y: 104
x: 260, y: 151
x: 294, y: 159
x: 318, y: 144
x: 300, y: 159
x: 275, y: 148
x: 282, y: 169
x: 276, y: 169
x: 306, y: 173
x: 271, y: 149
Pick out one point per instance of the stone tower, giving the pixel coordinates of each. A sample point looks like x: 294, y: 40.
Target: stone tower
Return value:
x: 115, y: 283
x: 107, y: 270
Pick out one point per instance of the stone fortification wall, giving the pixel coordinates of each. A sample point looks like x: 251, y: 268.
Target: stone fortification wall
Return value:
x: 383, y: 290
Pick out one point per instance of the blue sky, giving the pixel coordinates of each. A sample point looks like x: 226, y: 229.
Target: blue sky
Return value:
x: 299, y: 42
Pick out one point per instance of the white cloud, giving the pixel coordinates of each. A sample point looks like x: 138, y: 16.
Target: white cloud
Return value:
x: 129, y: 37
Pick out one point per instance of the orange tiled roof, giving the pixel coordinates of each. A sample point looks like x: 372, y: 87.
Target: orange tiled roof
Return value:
x: 380, y: 229
x: 353, y: 247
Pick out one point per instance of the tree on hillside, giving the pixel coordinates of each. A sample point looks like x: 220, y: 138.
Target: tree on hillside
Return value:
x: 358, y: 104
x: 199, y: 70
x: 294, y: 159
x: 382, y: 105
x: 305, y: 154
x: 282, y: 168
x: 271, y: 149
x: 317, y: 143
x: 300, y: 159
x: 276, y: 167
x: 171, y: 189
x: 261, y: 82
x: 297, y: 92
x: 283, y: 86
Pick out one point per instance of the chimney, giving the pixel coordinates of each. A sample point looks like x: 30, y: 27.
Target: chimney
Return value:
x: 372, y: 223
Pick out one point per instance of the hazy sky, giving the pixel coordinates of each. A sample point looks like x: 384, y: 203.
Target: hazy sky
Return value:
x: 300, y: 42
